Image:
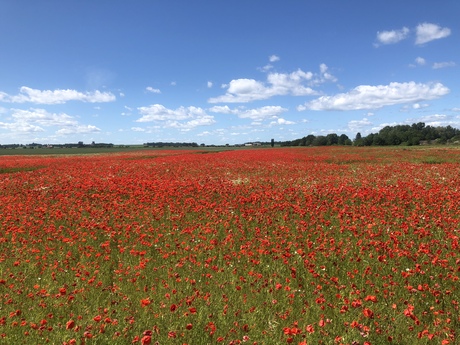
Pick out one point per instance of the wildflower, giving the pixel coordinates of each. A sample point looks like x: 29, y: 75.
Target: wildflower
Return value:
x: 368, y: 313
x: 70, y: 324
x: 146, y: 340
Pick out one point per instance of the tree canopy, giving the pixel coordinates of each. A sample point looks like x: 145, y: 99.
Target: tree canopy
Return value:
x: 415, y: 134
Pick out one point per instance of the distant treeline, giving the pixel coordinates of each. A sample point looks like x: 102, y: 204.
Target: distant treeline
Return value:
x: 415, y: 134
x: 163, y: 144
x: 80, y: 144
x: 319, y: 140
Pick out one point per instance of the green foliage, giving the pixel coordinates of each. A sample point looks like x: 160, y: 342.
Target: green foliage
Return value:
x: 404, y: 135
x: 409, y: 135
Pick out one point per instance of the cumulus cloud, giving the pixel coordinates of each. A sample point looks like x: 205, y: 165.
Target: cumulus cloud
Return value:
x: 297, y: 83
x: 273, y: 58
x: 21, y: 127
x: 256, y: 114
x: 183, y: 118
x: 152, y: 90
x: 438, y: 65
x: 44, y: 118
x: 27, y: 94
x: 34, y: 120
x: 281, y: 121
x: 158, y: 112
x: 427, y: 32
x: 374, y: 97
x: 210, y: 84
x: 393, y: 36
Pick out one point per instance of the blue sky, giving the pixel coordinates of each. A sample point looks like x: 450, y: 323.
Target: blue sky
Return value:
x: 218, y: 72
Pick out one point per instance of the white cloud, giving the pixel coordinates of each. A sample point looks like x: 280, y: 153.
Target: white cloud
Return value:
x: 393, y: 36
x: 175, y: 118
x: 158, y: 112
x: 427, y: 32
x: 79, y: 129
x: 27, y: 94
x: 325, y: 75
x: 209, y: 84
x: 152, y: 90
x: 434, y: 118
x: 374, y: 97
x: 420, y: 61
x: 269, y: 66
x: 42, y: 117
x: 257, y: 114
x: 137, y: 129
x: 34, y: 120
x: 281, y: 121
x: 438, y: 65
x: 357, y: 125
x: 205, y: 120
x: 296, y: 84
x: 266, y: 68
x: 223, y: 109
x: 128, y: 112
x: 419, y: 106
x: 22, y: 127
x: 323, y: 68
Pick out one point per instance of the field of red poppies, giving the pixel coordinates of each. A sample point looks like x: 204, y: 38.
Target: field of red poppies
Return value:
x: 325, y: 245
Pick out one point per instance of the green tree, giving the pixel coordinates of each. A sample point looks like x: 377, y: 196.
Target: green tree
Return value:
x: 332, y: 139
x: 343, y: 139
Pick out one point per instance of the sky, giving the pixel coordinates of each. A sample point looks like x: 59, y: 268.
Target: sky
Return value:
x: 224, y: 72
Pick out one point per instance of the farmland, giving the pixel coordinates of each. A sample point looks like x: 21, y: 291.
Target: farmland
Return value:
x: 326, y: 245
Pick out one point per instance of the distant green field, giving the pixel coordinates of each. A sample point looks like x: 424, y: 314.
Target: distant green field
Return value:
x: 116, y: 149
x: 74, y: 151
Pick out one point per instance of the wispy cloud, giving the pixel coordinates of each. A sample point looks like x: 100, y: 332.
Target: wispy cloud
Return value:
x: 420, y: 61
x: 79, y: 129
x: 152, y: 90
x: 427, y: 32
x: 27, y: 94
x: 438, y: 65
x: 424, y: 33
x: 358, y: 125
x: 374, y: 97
